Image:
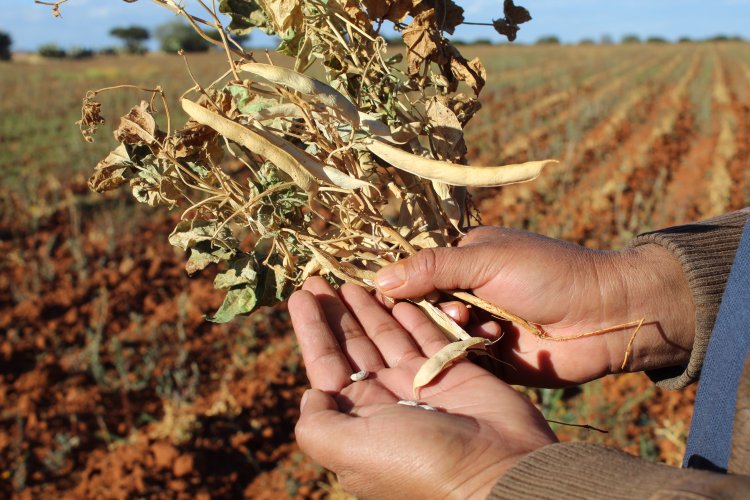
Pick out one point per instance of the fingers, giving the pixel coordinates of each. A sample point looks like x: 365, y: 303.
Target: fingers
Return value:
x: 359, y: 349
x: 437, y: 269
x: 457, y: 311
x: 489, y: 330
x: 327, y: 367
x: 394, y: 344
x: 429, y: 338
x: 322, y: 431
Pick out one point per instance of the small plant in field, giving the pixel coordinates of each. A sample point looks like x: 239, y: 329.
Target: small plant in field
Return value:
x: 64, y: 445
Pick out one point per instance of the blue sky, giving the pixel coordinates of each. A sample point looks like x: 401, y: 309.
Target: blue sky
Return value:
x: 86, y: 23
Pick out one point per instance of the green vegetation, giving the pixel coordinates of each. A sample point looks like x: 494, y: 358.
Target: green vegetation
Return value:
x: 52, y: 51
x: 177, y: 35
x: 5, y: 44
x: 133, y: 38
x: 548, y: 40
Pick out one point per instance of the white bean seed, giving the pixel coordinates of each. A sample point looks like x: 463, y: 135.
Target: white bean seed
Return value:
x: 361, y: 375
x: 408, y: 402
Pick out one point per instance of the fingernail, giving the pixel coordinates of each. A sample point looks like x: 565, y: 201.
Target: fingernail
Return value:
x: 491, y: 328
x: 453, y: 312
x: 391, y: 277
x: 303, y: 401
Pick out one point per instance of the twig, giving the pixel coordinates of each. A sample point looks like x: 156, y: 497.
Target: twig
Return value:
x: 582, y: 426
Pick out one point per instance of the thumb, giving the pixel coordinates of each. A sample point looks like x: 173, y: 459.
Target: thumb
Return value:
x: 322, y: 431
x: 436, y: 269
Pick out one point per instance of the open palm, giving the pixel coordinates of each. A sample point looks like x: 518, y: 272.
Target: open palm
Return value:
x: 380, y: 448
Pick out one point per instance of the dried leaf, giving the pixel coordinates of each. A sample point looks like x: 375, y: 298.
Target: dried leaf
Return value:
x: 155, y: 182
x: 429, y: 239
x: 503, y: 27
x: 246, y: 15
x: 448, y: 15
x: 189, y: 233
x: 423, y: 42
x: 91, y: 118
x: 284, y: 14
x: 113, y: 171
x: 515, y: 13
x: 446, y: 132
x: 137, y: 127
x: 472, y: 72
x: 392, y: 10
x: 204, y: 253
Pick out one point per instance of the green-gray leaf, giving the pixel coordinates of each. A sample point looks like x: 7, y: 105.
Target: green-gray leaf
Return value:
x: 188, y: 233
x: 239, y: 300
x: 241, y: 272
x: 205, y: 253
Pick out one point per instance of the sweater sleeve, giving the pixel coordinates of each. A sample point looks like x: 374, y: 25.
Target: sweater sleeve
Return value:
x: 584, y: 470
x: 706, y: 251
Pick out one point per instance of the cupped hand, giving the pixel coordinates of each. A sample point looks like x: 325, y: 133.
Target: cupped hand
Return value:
x: 379, y: 448
x: 569, y: 290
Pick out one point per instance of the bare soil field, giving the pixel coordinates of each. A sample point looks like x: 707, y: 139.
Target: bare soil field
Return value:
x: 112, y: 384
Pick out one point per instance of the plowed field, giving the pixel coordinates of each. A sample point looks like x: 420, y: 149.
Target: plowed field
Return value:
x: 111, y: 383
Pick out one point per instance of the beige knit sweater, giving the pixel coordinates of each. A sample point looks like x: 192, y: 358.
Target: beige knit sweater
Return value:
x: 581, y: 470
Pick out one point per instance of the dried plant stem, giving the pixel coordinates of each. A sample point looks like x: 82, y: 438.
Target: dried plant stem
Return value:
x: 472, y: 299
x: 582, y: 426
x: 630, y: 345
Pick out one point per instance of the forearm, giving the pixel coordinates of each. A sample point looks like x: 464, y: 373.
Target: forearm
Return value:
x: 705, y: 252
x: 583, y: 470
x: 655, y: 289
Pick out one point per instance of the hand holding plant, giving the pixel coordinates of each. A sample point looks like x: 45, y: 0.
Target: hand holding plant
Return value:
x: 381, y: 449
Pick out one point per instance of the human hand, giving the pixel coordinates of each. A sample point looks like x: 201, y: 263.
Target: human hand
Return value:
x: 380, y: 449
x: 568, y: 290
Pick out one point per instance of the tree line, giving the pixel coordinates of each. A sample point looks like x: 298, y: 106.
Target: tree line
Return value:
x: 173, y: 37
x: 176, y: 36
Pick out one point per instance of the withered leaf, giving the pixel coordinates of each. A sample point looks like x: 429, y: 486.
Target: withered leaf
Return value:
x: 445, y: 127
x: 464, y: 107
x: 448, y: 15
x: 91, y: 118
x: 155, y: 182
x: 424, y: 43
x: 205, y: 253
x: 283, y: 14
x: 246, y: 15
x: 392, y: 10
x: 195, y: 140
x: 472, y: 72
x: 188, y: 233
x: 505, y: 28
x: 113, y: 171
x: 137, y: 127
x: 515, y: 14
